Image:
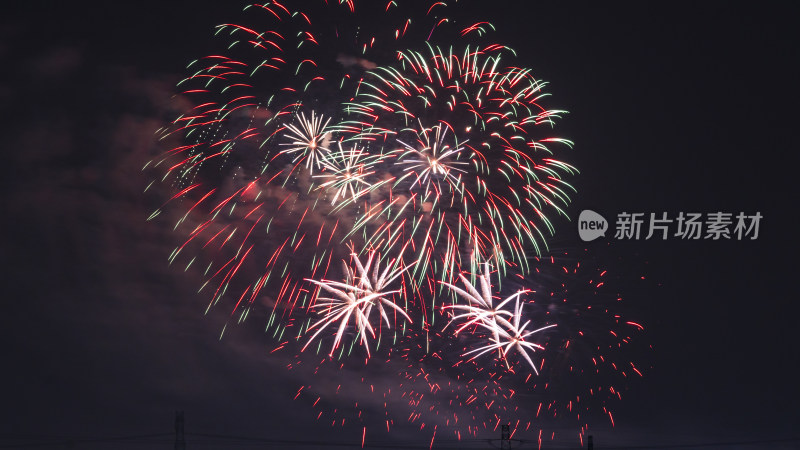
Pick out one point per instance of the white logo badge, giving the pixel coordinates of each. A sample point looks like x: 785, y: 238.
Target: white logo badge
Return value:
x: 591, y: 225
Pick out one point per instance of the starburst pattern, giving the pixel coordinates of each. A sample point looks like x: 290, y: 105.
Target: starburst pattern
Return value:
x: 506, y: 332
x: 511, y: 336
x: 365, y: 287
x: 309, y: 140
x: 432, y: 160
x: 304, y: 135
x: 346, y: 173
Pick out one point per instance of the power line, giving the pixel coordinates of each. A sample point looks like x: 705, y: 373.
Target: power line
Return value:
x: 66, y: 441
x: 704, y: 444
x: 463, y: 442
x: 180, y: 441
x: 244, y: 440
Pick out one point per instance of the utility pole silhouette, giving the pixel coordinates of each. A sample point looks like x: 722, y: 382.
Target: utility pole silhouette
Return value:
x: 591, y: 444
x: 180, y: 442
x: 505, y: 437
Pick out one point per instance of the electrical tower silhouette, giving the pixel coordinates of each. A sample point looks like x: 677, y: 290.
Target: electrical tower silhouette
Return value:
x: 505, y: 437
x: 180, y: 442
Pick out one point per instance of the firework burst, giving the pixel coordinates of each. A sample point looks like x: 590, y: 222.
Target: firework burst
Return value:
x: 338, y: 131
x: 507, y: 332
x: 432, y: 160
x: 309, y: 141
x: 346, y: 174
x: 365, y: 287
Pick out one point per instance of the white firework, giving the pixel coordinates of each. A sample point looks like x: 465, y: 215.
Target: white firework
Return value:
x: 376, y: 282
x: 512, y: 336
x: 346, y: 172
x: 480, y: 310
x: 309, y: 140
x: 348, y: 302
x: 506, y: 332
x: 432, y: 160
x: 364, y: 288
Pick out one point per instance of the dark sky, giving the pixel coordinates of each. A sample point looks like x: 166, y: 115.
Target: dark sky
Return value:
x: 674, y: 107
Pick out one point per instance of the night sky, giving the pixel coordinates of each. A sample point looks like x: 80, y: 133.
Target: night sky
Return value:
x: 674, y: 107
